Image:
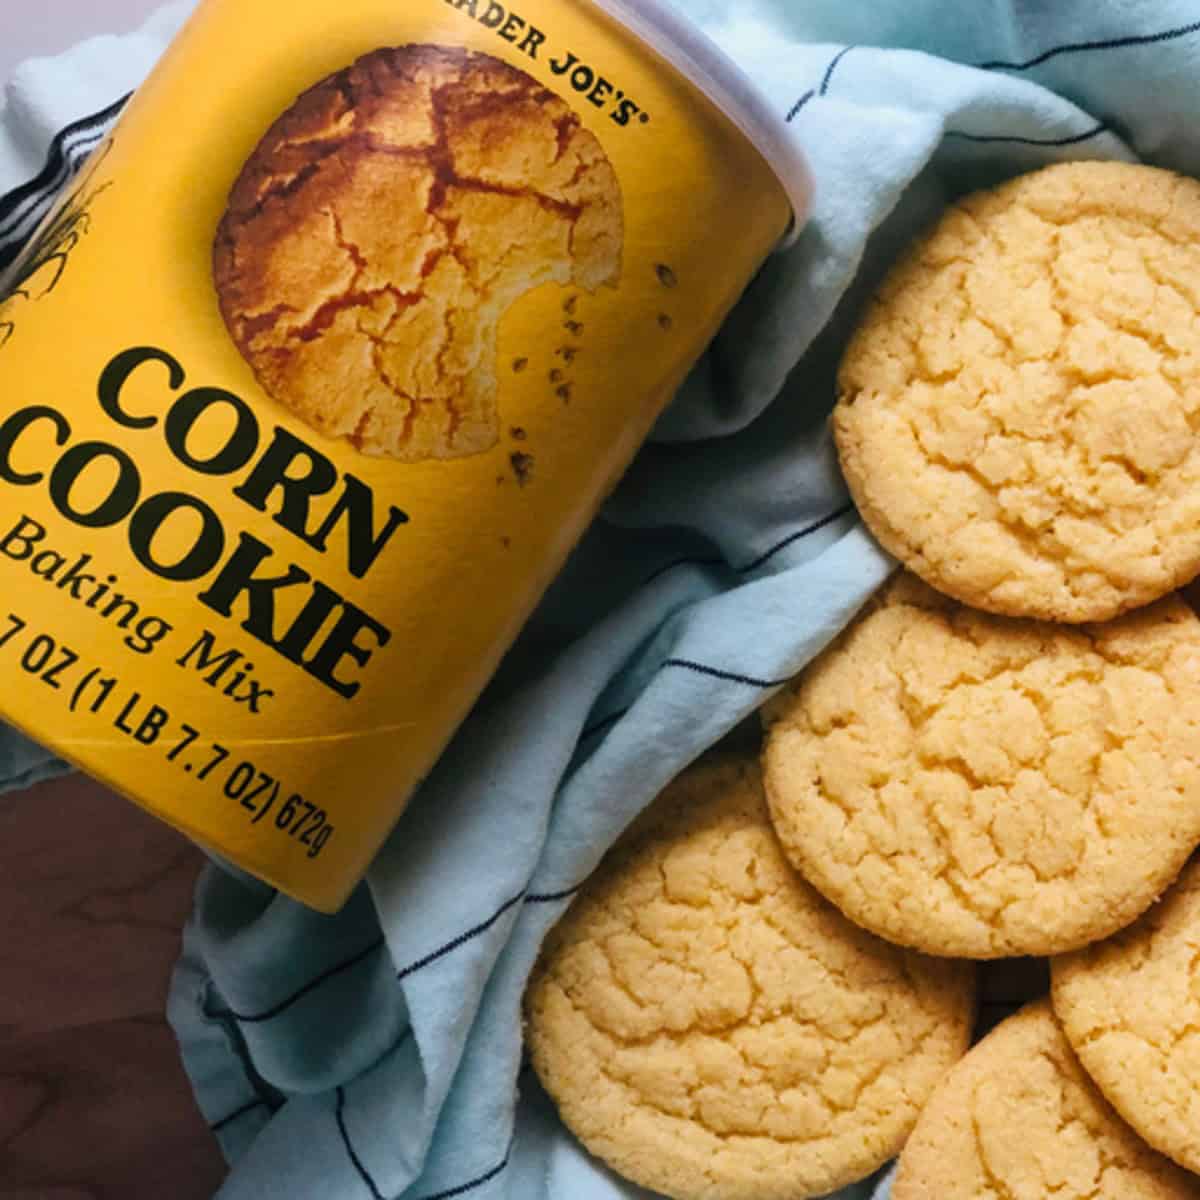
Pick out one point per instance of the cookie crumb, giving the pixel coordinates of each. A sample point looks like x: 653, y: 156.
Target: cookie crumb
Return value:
x: 518, y: 434
x: 665, y: 322
x: 571, y: 305
x: 564, y: 393
x: 519, y: 364
x: 556, y: 376
x: 574, y: 328
x: 666, y: 276
x: 568, y: 353
x: 522, y: 465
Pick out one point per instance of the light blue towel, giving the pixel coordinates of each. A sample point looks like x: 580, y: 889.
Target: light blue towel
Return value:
x: 377, y: 1053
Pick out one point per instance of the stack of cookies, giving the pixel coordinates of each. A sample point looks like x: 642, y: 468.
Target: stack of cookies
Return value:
x: 767, y: 991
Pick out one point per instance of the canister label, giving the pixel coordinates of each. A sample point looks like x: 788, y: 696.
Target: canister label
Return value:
x: 314, y: 378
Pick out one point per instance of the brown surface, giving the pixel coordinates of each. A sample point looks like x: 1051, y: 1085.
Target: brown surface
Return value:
x: 94, y: 1104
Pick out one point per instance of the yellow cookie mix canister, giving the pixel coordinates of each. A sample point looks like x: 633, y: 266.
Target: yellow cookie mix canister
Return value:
x: 321, y: 368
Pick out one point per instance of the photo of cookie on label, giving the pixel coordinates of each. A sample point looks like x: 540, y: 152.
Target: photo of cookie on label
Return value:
x: 387, y: 222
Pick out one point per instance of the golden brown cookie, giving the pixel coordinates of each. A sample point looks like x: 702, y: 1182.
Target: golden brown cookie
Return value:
x: 384, y: 226
x: 1130, y: 1007
x: 979, y: 786
x: 1018, y: 1119
x: 1018, y: 411
x: 714, y: 1030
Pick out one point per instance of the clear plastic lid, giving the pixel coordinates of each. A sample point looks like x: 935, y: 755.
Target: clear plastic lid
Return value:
x: 691, y: 52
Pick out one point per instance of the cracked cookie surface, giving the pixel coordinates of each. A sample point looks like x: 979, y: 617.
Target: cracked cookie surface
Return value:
x: 1018, y: 411
x: 714, y: 1030
x: 987, y: 787
x: 1018, y: 1119
x: 384, y: 226
x: 1130, y: 1007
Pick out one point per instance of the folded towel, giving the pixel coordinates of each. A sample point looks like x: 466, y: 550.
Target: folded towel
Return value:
x: 377, y: 1053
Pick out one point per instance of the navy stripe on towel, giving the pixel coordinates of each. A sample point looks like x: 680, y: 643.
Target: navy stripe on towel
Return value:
x: 217, y: 1126
x: 523, y: 897
x: 729, y: 676
x: 1145, y: 39
x: 369, y: 1182
x: 1073, y: 140
x: 602, y: 724
x: 363, y: 1173
x: 794, y: 111
x: 312, y: 985
x: 478, y: 1182
x: 829, y: 70
x: 762, y: 559
x: 462, y: 939
x: 796, y: 108
x: 339, y: 968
